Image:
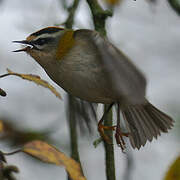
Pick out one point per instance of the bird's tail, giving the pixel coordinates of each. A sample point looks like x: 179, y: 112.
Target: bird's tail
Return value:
x: 145, y: 122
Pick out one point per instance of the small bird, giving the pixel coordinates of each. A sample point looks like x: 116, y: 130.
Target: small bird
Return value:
x: 88, y: 66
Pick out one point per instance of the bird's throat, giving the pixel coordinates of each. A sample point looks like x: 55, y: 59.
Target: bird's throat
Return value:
x: 65, y: 44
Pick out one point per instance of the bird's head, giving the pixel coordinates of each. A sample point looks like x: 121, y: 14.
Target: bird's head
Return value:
x: 50, y: 43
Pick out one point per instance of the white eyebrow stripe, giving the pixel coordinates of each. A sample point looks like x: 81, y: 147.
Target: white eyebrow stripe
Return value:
x: 46, y: 35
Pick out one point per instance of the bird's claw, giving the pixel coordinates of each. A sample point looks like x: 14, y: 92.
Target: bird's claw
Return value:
x: 119, y: 138
x: 118, y: 135
x: 101, y: 129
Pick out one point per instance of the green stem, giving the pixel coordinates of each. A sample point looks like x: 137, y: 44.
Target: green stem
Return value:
x: 109, y: 149
x: 72, y: 10
x: 99, y: 18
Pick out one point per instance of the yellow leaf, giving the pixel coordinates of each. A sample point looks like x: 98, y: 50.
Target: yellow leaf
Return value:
x: 174, y: 171
x: 36, y: 79
x: 1, y: 126
x: 50, y: 154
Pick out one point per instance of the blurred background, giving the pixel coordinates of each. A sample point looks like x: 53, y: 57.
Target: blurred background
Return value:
x: 147, y: 32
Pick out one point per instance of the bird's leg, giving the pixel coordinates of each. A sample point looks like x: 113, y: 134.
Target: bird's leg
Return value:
x: 101, y: 127
x: 119, y: 135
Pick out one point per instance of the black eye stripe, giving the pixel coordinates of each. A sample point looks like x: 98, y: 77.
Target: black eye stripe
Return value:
x: 42, y: 41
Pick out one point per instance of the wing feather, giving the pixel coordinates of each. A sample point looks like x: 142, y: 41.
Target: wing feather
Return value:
x: 125, y: 79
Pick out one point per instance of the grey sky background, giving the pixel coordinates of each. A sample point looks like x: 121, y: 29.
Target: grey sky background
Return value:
x: 148, y: 35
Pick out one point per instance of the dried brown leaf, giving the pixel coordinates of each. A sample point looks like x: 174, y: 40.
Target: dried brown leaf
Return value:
x: 50, y: 154
x: 36, y: 79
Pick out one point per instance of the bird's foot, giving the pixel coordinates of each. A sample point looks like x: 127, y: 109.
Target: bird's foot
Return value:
x: 118, y: 135
x: 119, y: 138
x: 101, y: 129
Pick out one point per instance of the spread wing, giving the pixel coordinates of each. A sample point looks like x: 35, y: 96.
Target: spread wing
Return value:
x: 124, y: 78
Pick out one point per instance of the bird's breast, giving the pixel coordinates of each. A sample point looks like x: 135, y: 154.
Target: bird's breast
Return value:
x: 81, y: 74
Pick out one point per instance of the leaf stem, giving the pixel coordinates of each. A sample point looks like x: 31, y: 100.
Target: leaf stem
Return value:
x: 4, y: 75
x: 11, y: 153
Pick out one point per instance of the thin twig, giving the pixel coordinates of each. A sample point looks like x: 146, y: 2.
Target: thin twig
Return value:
x: 99, y: 16
x: 72, y: 10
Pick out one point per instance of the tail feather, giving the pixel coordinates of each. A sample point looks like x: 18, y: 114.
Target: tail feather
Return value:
x: 145, y: 122
x: 163, y: 120
x: 134, y: 135
x: 154, y: 130
x: 143, y: 133
x: 148, y: 130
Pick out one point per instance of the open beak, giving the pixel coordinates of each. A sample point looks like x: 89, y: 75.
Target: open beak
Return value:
x: 23, y: 42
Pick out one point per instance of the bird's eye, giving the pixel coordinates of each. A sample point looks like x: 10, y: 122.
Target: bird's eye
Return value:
x: 41, y: 41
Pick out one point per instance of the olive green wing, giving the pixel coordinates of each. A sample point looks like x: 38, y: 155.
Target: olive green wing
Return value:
x: 124, y: 78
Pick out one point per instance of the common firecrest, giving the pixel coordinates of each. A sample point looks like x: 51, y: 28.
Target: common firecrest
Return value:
x: 89, y: 67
